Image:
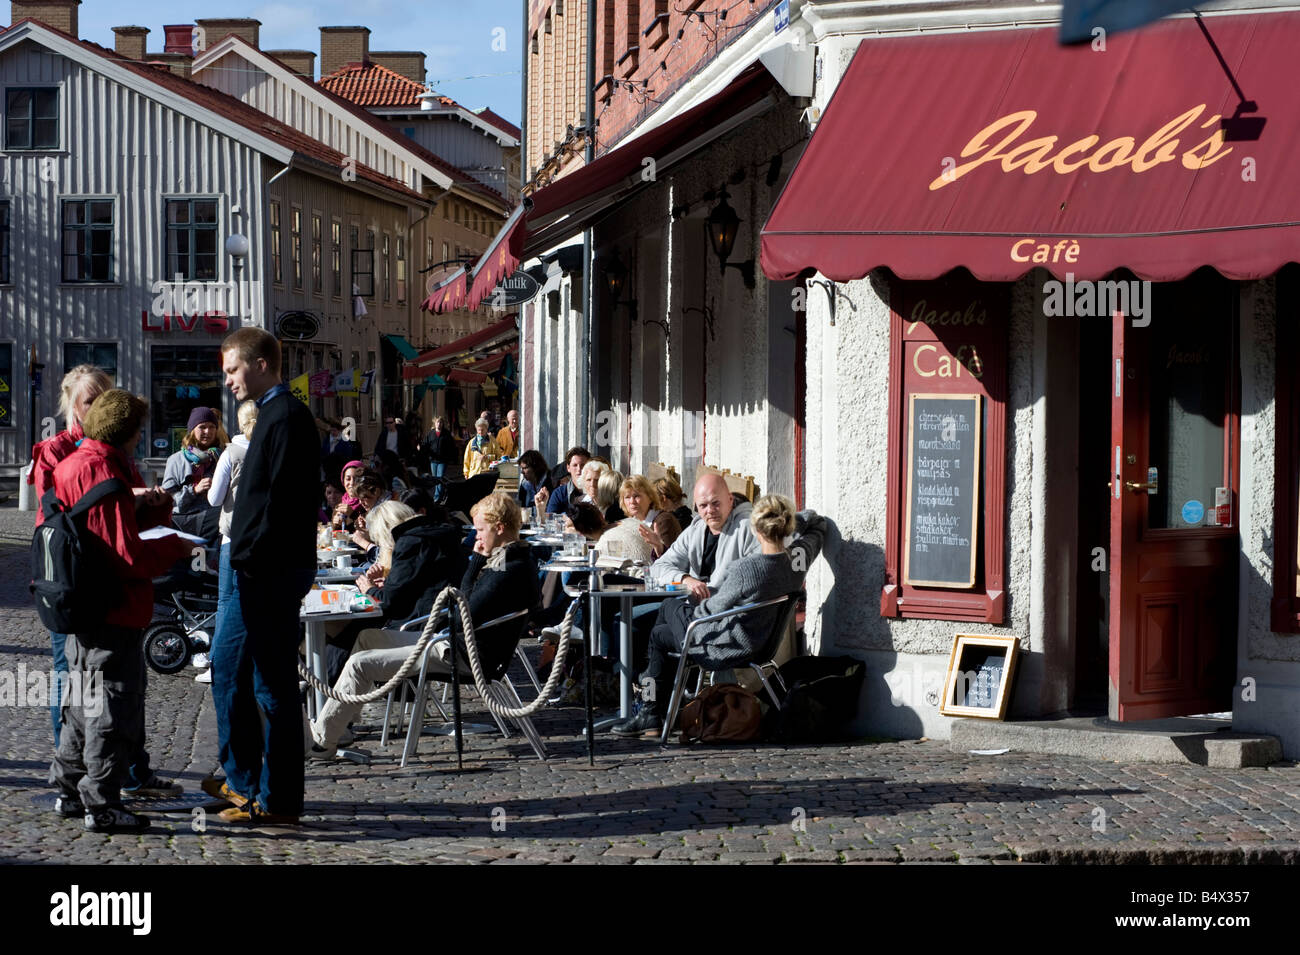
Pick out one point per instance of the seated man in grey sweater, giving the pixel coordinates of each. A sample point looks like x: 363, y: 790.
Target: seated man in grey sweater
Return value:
x: 773, y: 572
x: 698, y: 559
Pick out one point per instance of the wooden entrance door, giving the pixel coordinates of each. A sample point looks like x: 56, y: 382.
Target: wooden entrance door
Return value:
x: 1174, y: 553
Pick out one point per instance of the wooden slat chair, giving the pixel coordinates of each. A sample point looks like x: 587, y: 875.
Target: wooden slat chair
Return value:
x: 656, y: 470
x: 741, y: 484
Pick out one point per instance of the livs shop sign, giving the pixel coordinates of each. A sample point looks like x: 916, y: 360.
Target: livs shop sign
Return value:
x: 998, y: 142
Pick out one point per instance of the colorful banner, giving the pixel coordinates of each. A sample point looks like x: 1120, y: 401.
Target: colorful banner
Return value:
x: 322, y: 384
x: 346, y: 384
x: 367, y: 382
x: 300, y: 388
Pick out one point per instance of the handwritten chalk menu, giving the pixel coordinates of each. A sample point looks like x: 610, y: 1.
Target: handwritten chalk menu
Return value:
x: 943, y: 474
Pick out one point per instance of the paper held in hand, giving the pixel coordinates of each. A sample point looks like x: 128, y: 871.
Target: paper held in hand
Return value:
x: 158, y: 533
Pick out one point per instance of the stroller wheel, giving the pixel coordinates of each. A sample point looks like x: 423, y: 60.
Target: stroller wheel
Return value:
x: 166, y: 648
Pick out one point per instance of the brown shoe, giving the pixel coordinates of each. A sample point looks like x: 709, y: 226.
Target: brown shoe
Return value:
x: 217, y: 789
x: 254, y: 815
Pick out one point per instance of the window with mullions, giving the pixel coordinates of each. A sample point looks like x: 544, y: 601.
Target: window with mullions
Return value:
x: 192, y: 239
x: 315, y: 256
x: 401, y: 270
x: 4, y: 243
x: 388, y: 272
x: 6, y: 385
x: 295, y: 246
x: 100, y: 354
x: 336, y: 256
x: 88, y: 240
x: 363, y: 264
x: 32, y: 118
x: 276, y: 275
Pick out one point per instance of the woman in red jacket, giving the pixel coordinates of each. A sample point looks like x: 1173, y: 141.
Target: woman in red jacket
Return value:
x: 103, y: 730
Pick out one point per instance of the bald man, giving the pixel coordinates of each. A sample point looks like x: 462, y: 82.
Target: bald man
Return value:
x: 700, y: 556
x: 699, y: 559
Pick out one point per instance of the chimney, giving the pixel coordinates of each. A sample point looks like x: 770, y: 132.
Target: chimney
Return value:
x: 179, y: 63
x: 340, y: 46
x: 301, y: 62
x: 409, y: 63
x: 179, y: 38
x: 216, y: 29
x: 129, y: 41
x: 60, y: 14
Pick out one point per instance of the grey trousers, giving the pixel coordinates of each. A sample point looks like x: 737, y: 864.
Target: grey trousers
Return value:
x: 103, y: 726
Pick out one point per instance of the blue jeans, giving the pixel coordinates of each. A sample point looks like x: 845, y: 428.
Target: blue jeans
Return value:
x: 225, y: 591
x: 57, y: 643
x: 438, y: 468
x: 255, y: 665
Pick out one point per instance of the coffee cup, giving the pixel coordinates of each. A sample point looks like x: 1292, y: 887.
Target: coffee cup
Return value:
x: 343, y: 562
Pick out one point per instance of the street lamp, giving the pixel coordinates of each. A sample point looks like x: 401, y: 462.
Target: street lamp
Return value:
x: 723, y: 225
x: 615, y: 278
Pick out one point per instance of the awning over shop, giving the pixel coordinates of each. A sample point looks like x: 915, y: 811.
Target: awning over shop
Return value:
x: 448, y: 295
x: 1004, y: 151
x: 571, y: 204
x: 501, y: 258
x: 404, y: 348
x: 481, y: 341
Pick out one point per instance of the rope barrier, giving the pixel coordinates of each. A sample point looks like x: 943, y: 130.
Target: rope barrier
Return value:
x: 485, y: 690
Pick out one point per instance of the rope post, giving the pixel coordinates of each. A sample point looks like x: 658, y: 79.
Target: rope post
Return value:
x: 455, y: 704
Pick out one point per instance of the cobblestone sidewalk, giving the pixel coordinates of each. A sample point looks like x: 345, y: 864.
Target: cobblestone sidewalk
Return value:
x: 867, y: 802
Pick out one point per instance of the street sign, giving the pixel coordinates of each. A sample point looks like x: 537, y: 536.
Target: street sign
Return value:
x: 515, y: 290
x: 781, y: 16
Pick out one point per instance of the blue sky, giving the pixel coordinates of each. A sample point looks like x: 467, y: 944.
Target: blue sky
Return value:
x: 456, y: 35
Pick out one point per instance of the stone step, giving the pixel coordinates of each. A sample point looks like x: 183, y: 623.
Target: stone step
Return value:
x: 1202, y: 742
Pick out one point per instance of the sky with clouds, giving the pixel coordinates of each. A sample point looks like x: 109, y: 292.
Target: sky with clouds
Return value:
x: 456, y: 35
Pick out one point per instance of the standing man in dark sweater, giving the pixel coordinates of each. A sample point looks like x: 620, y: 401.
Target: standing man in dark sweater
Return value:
x: 272, y: 550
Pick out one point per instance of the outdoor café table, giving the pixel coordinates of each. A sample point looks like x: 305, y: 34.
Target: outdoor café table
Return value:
x: 316, y: 647
x: 625, y: 598
x: 625, y: 675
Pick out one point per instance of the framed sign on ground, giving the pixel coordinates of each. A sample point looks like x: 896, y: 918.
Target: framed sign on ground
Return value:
x: 980, y: 669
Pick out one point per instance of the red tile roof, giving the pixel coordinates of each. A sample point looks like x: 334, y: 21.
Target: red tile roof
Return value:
x: 375, y: 87
x: 390, y: 132
x: 237, y: 111
x: 488, y: 116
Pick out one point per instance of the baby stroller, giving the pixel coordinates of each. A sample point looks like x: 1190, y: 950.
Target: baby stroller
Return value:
x: 185, y: 626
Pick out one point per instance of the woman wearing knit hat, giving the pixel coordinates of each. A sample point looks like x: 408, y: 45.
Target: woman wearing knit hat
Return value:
x: 103, y: 731
x: 189, y: 473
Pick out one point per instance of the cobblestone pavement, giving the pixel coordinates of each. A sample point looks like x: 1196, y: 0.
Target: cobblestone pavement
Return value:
x: 867, y: 802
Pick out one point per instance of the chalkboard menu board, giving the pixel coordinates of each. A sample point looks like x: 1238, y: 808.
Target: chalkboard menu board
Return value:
x: 943, y: 475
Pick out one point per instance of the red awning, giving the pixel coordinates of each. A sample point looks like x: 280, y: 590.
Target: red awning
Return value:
x: 459, y: 376
x: 1003, y: 151
x: 500, y: 260
x: 448, y: 296
x: 494, y: 361
x: 425, y: 363
x: 570, y: 204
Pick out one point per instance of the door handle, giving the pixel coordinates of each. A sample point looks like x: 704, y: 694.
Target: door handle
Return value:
x: 1151, y: 485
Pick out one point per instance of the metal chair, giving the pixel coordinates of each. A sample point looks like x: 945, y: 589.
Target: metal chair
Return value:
x: 765, y: 653
x: 503, y: 692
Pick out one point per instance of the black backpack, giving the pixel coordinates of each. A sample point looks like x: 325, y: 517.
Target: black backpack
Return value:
x: 71, y: 594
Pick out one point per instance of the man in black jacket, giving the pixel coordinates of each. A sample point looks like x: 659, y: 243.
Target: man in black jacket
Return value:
x: 273, y: 552
x: 501, y: 578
